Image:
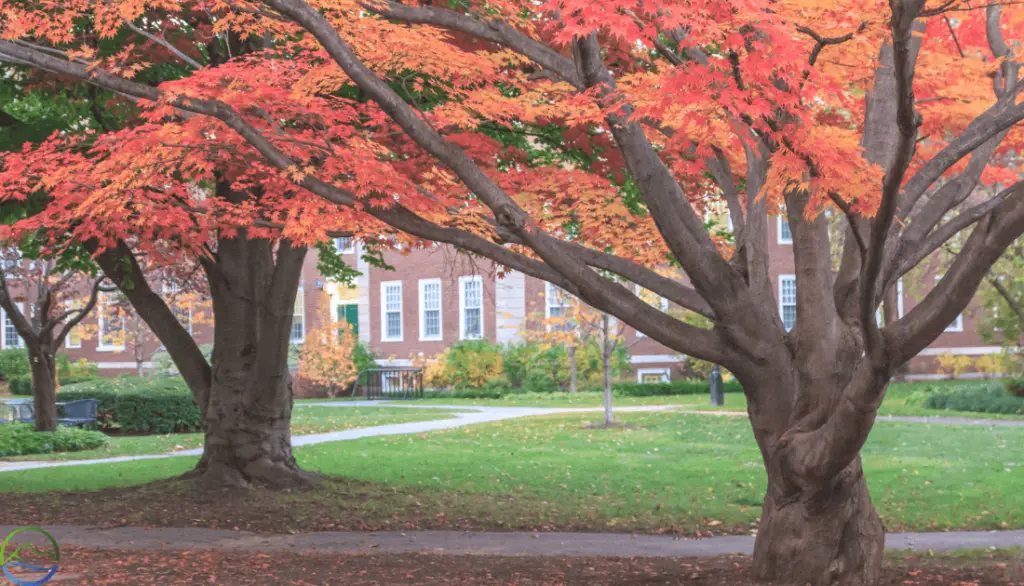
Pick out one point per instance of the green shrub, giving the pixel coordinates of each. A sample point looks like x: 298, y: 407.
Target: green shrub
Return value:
x: 1014, y: 386
x: 20, y: 439
x: 80, y: 369
x: 21, y: 385
x: 13, y: 363
x: 991, y: 398
x: 133, y: 404
x: 481, y: 393
x: 364, y: 358
x: 682, y: 387
x: 471, y: 364
x: 544, y: 368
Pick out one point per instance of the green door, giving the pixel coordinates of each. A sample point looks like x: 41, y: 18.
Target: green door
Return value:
x: 350, y: 313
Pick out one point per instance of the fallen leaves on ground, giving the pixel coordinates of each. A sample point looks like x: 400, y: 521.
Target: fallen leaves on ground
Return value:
x: 146, y: 567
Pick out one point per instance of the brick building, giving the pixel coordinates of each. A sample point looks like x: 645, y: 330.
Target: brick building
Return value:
x: 436, y: 297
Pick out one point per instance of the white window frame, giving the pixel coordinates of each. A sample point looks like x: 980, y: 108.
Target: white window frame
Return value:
x: 553, y: 293
x: 69, y: 306
x: 3, y: 321
x: 384, y: 312
x: 172, y: 289
x: 899, y: 296
x: 423, y: 311
x: 299, y: 299
x: 100, y: 345
x: 779, y: 220
x: 350, y: 248
x: 958, y: 324
x: 662, y: 304
x: 782, y: 279
x: 462, y: 306
x: 666, y: 374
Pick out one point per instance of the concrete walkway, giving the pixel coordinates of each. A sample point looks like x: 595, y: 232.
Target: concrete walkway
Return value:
x: 462, y: 417
x: 477, y: 543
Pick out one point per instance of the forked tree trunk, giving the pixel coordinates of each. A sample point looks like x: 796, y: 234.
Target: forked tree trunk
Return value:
x: 44, y: 388
x: 821, y: 534
x: 248, y: 413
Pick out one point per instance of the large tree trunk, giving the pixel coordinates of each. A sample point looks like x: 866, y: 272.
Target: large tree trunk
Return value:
x: 44, y: 388
x: 821, y: 534
x: 248, y: 414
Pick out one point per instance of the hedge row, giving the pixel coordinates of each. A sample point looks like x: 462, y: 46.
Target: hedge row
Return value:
x: 139, y: 405
x: 19, y: 439
x: 499, y: 389
x: 990, y: 398
x: 22, y: 385
x: 682, y: 387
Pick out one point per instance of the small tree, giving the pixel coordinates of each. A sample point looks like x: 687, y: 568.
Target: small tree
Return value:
x: 33, y: 295
x: 184, y: 292
x: 327, y: 354
x: 559, y: 328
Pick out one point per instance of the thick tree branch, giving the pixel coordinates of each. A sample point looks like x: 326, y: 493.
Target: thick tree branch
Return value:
x: 75, y: 316
x: 920, y: 250
x: 491, y: 30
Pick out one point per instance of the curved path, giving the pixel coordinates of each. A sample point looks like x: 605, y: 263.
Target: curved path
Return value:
x: 476, y: 543
x: 465, y: 415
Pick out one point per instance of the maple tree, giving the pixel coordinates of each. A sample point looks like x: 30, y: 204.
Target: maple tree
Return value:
x: 238, y: 235
x: 569, y: 140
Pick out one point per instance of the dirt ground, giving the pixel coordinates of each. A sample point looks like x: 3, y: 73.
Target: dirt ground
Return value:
x: 338, y: 504
x: 142, y: 568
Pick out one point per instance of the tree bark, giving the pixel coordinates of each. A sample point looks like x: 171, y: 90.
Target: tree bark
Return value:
x: 248, y: 412
x: 44, y: 388
x: 824, y: 533
x: 572, y: 369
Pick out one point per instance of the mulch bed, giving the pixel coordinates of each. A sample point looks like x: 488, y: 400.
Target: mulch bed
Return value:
x: 80, y: 566
x: 338, y: 504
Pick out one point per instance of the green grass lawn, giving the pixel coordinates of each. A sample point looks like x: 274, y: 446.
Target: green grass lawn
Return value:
x: 896, y: 401
x: 671, y: 471
x: 305, y: 421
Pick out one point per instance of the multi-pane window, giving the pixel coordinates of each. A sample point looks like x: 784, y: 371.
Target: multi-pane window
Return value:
x: 785, y: 235
x: 11, y: 337
x: 652, y: 299
x: 471, y: 307
x: 430, y: 309
x: 556, y: 307
x: 391, y: 311
x: 787, y: 300
x: 181, y: 305
x: 299, y: 318
x: 651, y: 376
x: 111, y: 322
x: 345, y: 245
x: 958, y: 323
x: 74, y: 337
